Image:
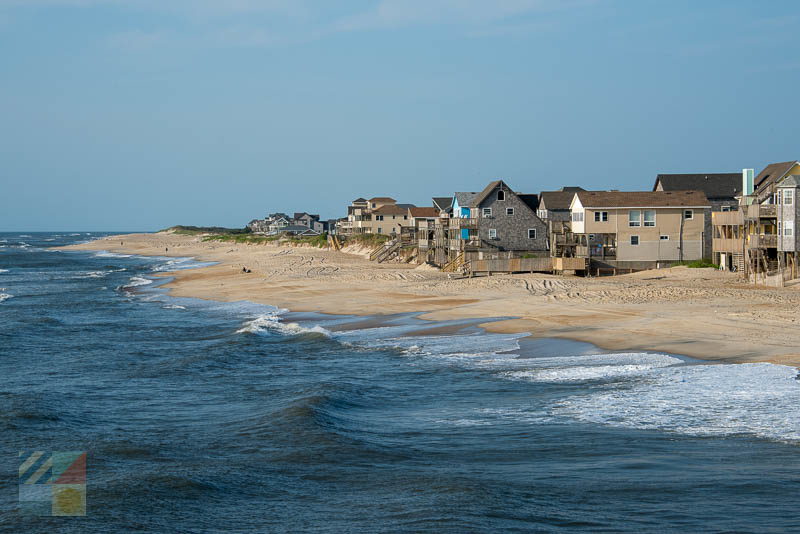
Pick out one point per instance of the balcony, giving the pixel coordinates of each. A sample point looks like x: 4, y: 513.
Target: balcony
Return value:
x: 603, y: 252
x: 464, y: 223
x: 729, y: 245
x: 761, y: 211
x: 728, y: 218
x: 762, y: 241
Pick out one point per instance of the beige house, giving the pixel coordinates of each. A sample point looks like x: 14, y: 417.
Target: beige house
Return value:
x: 640, y: 229
x: 378, y: 215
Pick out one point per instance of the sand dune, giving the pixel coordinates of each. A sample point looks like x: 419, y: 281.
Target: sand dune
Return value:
x: 696, y: 312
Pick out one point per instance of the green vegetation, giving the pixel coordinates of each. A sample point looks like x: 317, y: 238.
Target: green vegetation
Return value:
x: 195, y: 230
x: 319, y: 241
x: 696, y: 264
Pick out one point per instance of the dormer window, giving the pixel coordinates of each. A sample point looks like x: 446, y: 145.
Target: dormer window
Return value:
x: 501, y: 195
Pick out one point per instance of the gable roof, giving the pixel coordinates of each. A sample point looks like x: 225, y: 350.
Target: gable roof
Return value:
x: 465, y: 198
x: 530, y: 200
x: 771, y: 174
x: 793, y: 180
x: 383, y: 199
x: 443, y: 203
x: 429, y: 212
x: 557, y: 200
x: 714, y: 185
x: 359, y: 199
x: 486, y: 192
x: 642, y: 199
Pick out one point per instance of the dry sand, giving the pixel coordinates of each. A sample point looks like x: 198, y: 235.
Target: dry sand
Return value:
x: 697, y: 312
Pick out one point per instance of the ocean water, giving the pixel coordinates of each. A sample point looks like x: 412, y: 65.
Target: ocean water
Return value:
x: 200, y: 416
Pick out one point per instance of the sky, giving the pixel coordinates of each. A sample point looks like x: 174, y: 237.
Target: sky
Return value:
x: 124, y: 115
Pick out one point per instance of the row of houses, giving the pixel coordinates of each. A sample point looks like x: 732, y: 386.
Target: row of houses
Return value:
x: 302, y: 224
x: 739, y: 222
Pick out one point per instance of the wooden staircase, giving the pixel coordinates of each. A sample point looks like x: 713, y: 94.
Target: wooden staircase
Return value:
x: 454, y: 265
x: 334, y: 243
x: 383, y: 253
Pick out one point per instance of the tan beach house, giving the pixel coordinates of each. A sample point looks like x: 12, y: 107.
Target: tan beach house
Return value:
x: 637, y: 229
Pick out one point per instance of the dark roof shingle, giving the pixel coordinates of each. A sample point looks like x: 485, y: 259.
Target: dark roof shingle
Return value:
x: 642, y: 199
x: 714, y: 185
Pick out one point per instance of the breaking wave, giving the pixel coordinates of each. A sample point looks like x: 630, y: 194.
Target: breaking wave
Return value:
x: 271, y: 323
x: 5, y: 296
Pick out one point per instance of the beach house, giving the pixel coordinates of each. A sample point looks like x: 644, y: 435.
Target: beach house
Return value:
x: 721, y: 189
x: 759, y: 238
x: 636, y: 229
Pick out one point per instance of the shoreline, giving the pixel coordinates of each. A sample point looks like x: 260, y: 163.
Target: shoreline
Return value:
x: 699, y: 313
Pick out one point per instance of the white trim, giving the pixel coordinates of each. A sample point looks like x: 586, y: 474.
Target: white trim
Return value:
x: 492, y: 233
x: 534, y: 233
x: 638, y: 240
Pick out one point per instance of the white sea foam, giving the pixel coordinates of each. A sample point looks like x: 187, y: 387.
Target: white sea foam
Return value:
x: 93, y: 274
x: 105, y: 254
x: 5, y: 296
x: 3, y: 270
x: 272, y: 323
x: 589, y: 367
x: 757, y: 399
x: 173, y: 307
x: 137, y: 281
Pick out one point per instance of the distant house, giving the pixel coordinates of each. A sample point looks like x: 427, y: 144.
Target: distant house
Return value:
x: 554, y: 205
x: 428, y: 214
x: 507, y: 221
x: 638, y: 229
x: 378, y: 215
x: 721, y: 189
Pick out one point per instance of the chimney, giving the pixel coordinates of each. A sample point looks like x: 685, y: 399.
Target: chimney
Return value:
x: 747, y: 182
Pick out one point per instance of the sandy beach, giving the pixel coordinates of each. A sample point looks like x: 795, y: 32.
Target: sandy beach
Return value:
x: 701, y: 313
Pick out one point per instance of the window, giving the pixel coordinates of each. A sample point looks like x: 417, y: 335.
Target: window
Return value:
x: 634, y: 218
x: 492, y: 233
x: 542, y: 214
x: 788, y: 228
x: 509, y: 211
x: 788, y: 196
x: 405, y: 217
x: 649, y: 217
x: 664, y: 238
x: 601, y: 216
x: 373, y: 205
x: 379, y: 217
x: 688, y: 215
x: 634, y: 240
x: 531, y: 233
x: 726, y: 208
x: 487, y: 212
x: 380, y: 230
x: 501, y: 195
x: 577, y: 216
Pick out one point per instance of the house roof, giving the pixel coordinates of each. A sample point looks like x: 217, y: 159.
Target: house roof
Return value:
x: 405, y: 206
x: 480, y: 197
x: 359, y: 199
x: 391, y: 209
x: 557, y: 200
x: 465, y: 198
x: 424, y: 212
x: 772, y: 173
x: 443, y: 203
x: 383, y: 199
x: 714, y: 185
x: 642, y: 199
x: 530, y: 200
x: 299, y: 214
x: 793, y: 180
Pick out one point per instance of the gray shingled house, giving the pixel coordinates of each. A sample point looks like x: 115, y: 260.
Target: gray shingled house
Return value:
x: 507, y: 221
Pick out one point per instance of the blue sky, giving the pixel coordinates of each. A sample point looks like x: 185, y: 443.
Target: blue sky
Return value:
x: 141, y: 114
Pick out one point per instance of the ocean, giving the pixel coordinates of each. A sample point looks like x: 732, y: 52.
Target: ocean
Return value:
x: 199, y: 416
